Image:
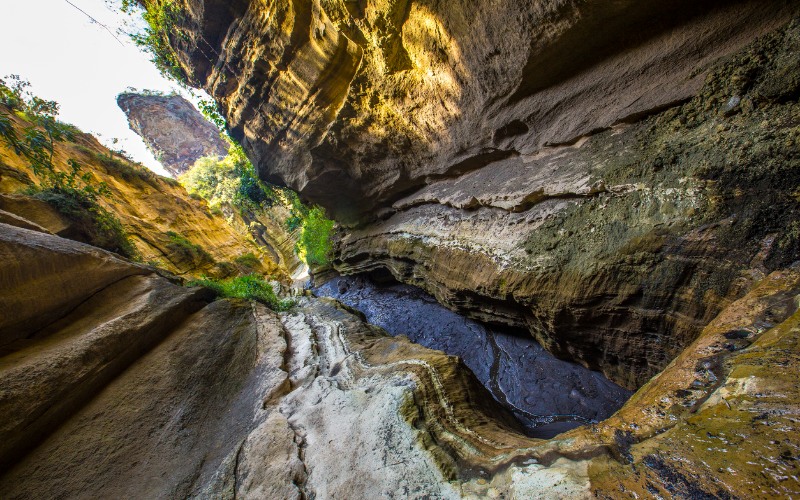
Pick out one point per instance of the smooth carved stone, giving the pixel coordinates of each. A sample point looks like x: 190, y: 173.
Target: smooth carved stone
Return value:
x: 176, y: 133
x: 357, y: 104
x: 548, y: 396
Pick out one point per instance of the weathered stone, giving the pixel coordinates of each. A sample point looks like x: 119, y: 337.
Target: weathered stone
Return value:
x: 618, y: 249
x: 173, y: 129
x: 355, y: 104
x: 234, y: 401
x: 590, y: 192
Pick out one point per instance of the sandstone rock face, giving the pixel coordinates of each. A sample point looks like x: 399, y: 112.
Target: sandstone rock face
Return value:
x: 608, y: 175
x: 151, y: 208
x: 618, y: 249
x: 173, y: 129
x: 227, y: 399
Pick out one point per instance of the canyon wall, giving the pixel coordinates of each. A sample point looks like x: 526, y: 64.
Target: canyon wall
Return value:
x: 118, y: 383
x: 168, y: 228
x: 606, y: 174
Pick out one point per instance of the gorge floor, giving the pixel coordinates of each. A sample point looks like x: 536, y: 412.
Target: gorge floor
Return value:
x: 547, y: 395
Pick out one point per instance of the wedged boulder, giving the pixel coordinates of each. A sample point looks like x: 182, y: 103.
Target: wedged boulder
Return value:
x: 173, y: 129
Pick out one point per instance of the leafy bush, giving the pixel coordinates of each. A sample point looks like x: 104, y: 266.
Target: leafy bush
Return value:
x: 91, y: 223
x: 73, y: 193
x: 248, y: 260
x: 233, y: 181
x: 250, y: 287
x: 187, y: 250
x: 209, y: 109
x: 229, y: 181
x: 315, y: 243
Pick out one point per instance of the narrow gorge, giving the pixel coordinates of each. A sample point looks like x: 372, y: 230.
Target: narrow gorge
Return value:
x: 462, y: 249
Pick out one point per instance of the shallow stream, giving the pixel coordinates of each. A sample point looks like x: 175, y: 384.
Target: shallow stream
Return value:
x: 547, y: 395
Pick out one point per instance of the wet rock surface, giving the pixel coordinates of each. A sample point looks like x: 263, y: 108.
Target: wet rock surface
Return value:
x: 546, y: 394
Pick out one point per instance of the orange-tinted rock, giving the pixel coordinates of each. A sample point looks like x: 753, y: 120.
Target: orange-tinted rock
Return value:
x: 149, y: 206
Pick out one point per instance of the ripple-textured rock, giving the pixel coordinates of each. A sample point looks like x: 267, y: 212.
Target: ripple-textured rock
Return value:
x: 546, y: 394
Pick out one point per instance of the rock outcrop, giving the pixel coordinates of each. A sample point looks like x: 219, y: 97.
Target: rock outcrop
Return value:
x: 170, y: 123
x: 608, y: 175
x: 173, y: 129
x: 133, y: 386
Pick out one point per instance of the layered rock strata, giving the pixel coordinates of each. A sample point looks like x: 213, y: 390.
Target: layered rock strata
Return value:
x: 616, y: 250
x: 547, y: 395
x: 608, y: 175
x: 227, y: 399
x: 173, y: 129
x: 355, y: 104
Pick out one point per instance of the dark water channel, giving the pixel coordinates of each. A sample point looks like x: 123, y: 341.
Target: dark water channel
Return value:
x: 547, y: 395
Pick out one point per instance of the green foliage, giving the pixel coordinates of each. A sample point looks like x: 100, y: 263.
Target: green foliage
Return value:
x: 233, y: 181
x: 209, y: 109
x: 187, y: 250
x: 92, y: 223
x: 248, y: 260
x: 73, y: 192
x: 250, y: 287
x: 315, y: 243
x: 14, y: 93
x: 230, y: 181
x: 118, y: 164
x: 162, y: 20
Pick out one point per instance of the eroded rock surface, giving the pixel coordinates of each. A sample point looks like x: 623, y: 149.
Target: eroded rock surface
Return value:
x: 615, y: 250
x: 173, y: 129
x: 227, y: 399
x: 547, y: 395
x: 608, y: 175
x: 167, y: 227
x: 355, y: 104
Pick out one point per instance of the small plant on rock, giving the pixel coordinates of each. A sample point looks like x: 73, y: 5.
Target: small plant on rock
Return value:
x: 250, y: 287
